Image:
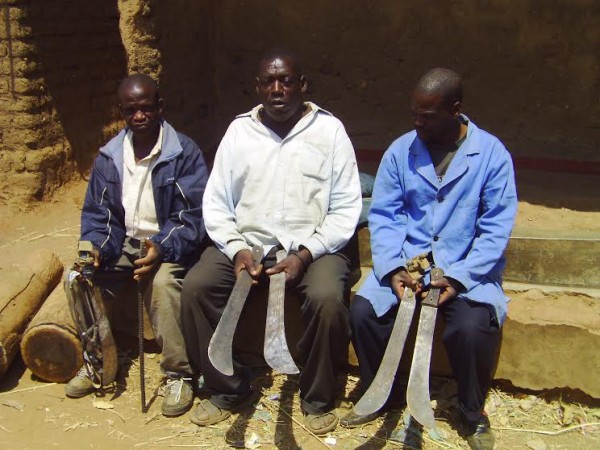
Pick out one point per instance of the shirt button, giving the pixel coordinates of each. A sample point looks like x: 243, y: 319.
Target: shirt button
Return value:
x: 440, y: 199
x: 436, y: 238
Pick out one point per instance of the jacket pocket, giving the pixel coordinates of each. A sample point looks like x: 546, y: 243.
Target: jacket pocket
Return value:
x: 467, y: 211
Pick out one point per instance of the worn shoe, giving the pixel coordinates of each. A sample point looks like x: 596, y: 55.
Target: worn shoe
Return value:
x: 206, y: 413
x: 80, y: 385
x: 321, y: 424
x: 352, y: 420
x: 479, y: 434
x: 179, y: 396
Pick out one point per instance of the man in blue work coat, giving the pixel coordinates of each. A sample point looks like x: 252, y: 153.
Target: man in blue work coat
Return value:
x: 446, y: 189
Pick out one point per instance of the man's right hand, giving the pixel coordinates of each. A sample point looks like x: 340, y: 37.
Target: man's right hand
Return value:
x: 402, y: 280
x: 243, y: 260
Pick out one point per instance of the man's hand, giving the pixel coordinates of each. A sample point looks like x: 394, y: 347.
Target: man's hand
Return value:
x: 294, y: 265
x: 449, y: 289
x: 96, y: 255
x: 402, y: 280
x: 243, y: 260
x: 149, y: 263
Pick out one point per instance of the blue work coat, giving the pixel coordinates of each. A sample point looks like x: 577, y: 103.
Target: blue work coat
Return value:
x: 465, y: 220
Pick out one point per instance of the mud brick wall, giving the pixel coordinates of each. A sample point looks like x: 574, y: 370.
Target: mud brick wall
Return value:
x: 61, y: 62
x: 173, y: 42
x: 530, y: 68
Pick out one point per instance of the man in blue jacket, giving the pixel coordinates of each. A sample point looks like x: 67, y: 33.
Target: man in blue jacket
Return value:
x: 446, y: 189
x: 146, y: 187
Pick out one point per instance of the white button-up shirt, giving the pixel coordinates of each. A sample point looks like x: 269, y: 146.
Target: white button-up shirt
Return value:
x: 138, y: 197
x: 302, y: 190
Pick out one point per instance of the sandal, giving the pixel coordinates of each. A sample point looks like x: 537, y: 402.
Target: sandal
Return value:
x: 321, y: 424
x: 205, y: 413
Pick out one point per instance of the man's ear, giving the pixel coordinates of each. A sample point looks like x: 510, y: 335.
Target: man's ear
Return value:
x: 161, y: 106
x: 456, y: 109
x: 304, y: 84
x: 257, y: 85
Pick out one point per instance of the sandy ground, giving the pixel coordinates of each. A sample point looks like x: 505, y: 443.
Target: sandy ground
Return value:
x: 35, y: 414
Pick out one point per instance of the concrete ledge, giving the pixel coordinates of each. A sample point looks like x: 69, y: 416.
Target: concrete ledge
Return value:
x: 567, y: 259
x: 538, y: 257
x: 552, y: 341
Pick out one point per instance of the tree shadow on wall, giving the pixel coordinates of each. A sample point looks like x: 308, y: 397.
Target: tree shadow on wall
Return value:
x: 82, y: 60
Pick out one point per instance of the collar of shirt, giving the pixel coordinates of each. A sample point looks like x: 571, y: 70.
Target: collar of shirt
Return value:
x: 129, y: 155
x: 300, y: 125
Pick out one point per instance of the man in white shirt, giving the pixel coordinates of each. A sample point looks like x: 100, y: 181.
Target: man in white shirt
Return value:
x: 285, y: 177
x: 146, y: 187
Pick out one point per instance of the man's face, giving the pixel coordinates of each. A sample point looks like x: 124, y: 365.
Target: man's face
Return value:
x: 434, y: 120
x: 140, y: 108
x: 280, y: 89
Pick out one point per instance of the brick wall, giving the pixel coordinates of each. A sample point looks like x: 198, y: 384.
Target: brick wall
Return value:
x: 61, y: 62
x: 530, y: 69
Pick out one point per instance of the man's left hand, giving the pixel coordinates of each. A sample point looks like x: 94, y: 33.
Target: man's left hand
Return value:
x: 149, y: 263
x: 294, y: 266
x: 449, y: 289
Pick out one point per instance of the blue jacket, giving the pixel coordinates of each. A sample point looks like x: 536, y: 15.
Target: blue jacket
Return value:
x: 464, y: 220
x: 178, y: 182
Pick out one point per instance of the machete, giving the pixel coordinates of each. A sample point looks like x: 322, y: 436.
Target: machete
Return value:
x: 89, y: 316
x: 417, y: 392
x: 220, y: 347
x: 379, y: 390
x: 277, y: 354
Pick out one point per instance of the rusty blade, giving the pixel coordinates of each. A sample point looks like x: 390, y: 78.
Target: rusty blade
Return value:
x: 417, y: 392
x: 276, y: 349
x: 220, y: 347
x: 379, y: 390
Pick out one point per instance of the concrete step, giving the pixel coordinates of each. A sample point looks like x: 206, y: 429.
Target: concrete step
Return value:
x: 554, y: 258
x: 543, y: 257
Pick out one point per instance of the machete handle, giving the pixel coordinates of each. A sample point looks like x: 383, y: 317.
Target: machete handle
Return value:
x: 257, y: 253
x: 433, y: 295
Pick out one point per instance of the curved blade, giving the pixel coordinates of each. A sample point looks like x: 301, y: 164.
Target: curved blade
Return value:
x: 417, y: 392
x: 276, y: 349
x: 220, y: 347
x: 88, y: 313
x: 379, y: 390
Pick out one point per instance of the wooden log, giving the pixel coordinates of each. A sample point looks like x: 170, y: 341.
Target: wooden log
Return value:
x: 24, y: 290
x: 50, y: 347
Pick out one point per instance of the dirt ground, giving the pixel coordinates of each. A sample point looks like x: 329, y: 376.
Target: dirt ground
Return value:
x: 35, y: 414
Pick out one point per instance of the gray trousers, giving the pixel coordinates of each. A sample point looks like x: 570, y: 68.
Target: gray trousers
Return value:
x: 322, y: 349
x: 162, y: 300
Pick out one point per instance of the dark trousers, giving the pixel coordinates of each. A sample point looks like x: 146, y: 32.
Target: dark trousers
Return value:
x: 322, y: 349
x: 471, y: 338
x: 161, y: 293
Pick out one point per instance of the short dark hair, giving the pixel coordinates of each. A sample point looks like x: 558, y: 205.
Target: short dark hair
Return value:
x: 276, y: 52
x: 442, y: 81
x: 139, y: 79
